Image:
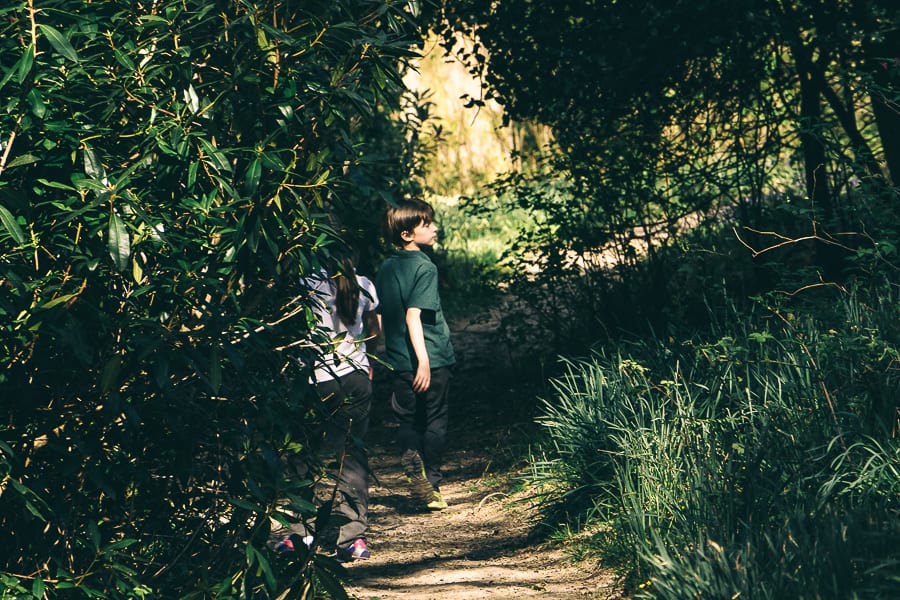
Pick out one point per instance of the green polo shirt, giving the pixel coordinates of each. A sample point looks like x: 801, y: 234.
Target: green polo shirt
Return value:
x: 409, y: 279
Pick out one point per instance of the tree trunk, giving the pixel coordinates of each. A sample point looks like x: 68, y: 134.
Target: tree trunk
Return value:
x: 814, y: 163
x: 884, y: 64
x: 814, y: 153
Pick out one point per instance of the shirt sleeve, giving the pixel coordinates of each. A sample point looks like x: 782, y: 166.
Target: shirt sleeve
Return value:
x: 368, y: 299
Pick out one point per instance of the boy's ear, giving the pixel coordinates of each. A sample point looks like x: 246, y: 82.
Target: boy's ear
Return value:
x: 406, y: 236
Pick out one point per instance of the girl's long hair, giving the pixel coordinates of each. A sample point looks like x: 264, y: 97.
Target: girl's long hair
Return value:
x: 347, y: 291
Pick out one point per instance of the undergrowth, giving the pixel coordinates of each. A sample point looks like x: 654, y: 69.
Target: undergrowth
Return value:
x: 759, y: 459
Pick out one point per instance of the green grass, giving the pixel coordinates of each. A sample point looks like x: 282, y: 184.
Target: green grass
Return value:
x: 471, y: 253
x: 755, y: 463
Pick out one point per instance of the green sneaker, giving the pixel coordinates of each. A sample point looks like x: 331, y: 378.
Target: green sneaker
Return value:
x: 419, y: 486
x: 437, y: 501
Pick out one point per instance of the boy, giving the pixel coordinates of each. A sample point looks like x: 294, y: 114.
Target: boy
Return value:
x: 417, y: 347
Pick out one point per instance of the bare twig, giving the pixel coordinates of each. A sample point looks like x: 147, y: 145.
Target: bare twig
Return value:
x: 785, y: 240
x: 488, y: 497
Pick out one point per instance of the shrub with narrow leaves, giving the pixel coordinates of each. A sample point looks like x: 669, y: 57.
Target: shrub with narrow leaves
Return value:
x: 165, y: 171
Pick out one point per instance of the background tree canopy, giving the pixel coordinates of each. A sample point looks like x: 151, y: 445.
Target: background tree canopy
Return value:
x: 169, y: 172
x: 668, y: 113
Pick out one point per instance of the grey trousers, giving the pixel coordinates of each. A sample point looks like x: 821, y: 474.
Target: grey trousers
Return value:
x: 346, y: 404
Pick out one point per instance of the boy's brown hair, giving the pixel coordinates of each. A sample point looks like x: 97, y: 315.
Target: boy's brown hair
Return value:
x: 406, y: 216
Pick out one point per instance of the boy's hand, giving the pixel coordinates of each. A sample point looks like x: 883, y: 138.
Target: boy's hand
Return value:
x: 422, y: 379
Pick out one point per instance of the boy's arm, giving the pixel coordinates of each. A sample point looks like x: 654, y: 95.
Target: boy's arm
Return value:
x: 422, y: 377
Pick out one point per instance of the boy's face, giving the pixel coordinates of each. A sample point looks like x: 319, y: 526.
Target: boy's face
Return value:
x: 422, y: 235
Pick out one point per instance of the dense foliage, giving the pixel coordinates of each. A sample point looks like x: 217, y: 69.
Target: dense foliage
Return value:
x: 668, y: 115
x: 169, y: 171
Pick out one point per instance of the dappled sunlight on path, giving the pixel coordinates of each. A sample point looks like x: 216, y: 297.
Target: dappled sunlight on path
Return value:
x: 484, y: 544
x: 480, y: 547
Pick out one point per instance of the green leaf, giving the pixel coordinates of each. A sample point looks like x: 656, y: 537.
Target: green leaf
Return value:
x: 761, y: 337
x: 238, y: 502
x: 25, y: 159
x: 25, y: 63
x: 216, y: 160
x: 36, y: 102
x: 192, y: 174
x: 119, y: 544
x: 56, y: 184
x: 153, y: 19
x: 29, y: 503
x: 11, y: 226
x: 94, y: 532
x: 326, y: 570
x: 58, y: 300
x: 124, y: 60
x: 119, y: 242
x: 10, y: 72
x: 59, y: 42
x: 110, y: 373
x: 93, y: 168
x: 37, y: 588
x: 251, y: 179
x: 136, y: 271
x: 255, y: 557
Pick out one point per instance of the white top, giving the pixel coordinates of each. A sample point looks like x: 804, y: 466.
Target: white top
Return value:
x: 348, y: 354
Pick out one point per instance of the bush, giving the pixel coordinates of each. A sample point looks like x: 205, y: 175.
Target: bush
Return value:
x: 760, y: 464
x: 166, y: 174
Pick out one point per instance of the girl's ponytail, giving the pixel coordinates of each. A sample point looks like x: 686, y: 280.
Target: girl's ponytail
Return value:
x: 347, y: 291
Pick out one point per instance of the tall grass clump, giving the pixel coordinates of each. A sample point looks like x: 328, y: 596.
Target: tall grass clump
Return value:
x: 759, y: 462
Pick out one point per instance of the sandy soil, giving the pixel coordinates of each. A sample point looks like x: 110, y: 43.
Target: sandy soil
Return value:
x: 487, y: 543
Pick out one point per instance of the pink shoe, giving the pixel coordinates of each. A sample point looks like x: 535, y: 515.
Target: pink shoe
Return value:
x: 355, y: 551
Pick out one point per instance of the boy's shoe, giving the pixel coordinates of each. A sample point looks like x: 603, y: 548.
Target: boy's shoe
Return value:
x: 437, y: 501
x: 358, y: 550
x: 414, y: 468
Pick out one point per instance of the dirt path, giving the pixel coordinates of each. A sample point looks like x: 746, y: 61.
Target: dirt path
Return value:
x: 484, y: 545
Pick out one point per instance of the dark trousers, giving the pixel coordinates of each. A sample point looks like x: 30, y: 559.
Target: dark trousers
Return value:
x: 346, y: 404
x: 423, y: 418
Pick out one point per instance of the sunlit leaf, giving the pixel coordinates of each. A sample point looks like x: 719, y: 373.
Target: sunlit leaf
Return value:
x: 93, y: 168
x: 118, y: 242
x: 25, y: 63
x: 59, y: 42
x: 215, y: 158
x: 191, y: 99
x: 24, y: 159
x: 251, y: 179
x: 11, y: 226
x: 58, y: 300
x: 137, y: 273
